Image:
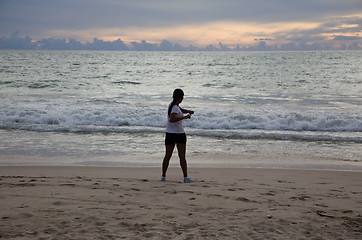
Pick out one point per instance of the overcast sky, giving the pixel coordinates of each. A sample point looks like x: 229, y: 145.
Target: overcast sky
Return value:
x: 197, y: 22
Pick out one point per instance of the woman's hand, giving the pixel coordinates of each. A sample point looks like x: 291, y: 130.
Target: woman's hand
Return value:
x: 187, y: 116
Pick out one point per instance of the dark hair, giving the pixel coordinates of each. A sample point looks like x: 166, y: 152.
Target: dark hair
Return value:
x: 177, y: 94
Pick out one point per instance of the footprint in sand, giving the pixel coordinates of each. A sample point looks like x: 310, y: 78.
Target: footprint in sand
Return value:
x: 27, y: 215
x: 214, y: 195
x: 59, y: 203
x: 242, y: 199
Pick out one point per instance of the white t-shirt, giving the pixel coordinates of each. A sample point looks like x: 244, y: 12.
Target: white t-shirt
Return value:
x: 175, y: 127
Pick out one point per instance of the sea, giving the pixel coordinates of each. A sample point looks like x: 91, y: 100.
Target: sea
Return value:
x: 293, y: 110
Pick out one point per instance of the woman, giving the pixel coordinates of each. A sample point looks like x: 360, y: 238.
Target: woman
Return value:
x: 175, y: 134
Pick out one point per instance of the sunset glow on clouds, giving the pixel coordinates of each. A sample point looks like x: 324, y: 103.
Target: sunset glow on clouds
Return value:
x: 229, y: 33
x: 197, y: 23
x: 226, y: 32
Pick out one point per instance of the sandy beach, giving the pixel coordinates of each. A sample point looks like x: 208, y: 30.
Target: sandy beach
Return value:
x: 132, y: 203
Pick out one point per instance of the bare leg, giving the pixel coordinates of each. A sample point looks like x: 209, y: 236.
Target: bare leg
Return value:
x: 166, y: 160
x: 181, y: 148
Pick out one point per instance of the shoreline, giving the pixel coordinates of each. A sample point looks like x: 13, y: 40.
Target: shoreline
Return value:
x: 67, y: 170
x: 178, y: 167
x: 222, y: 203
x: 194, y: 160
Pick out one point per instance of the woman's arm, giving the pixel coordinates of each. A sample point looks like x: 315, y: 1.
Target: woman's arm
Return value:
x: 174, y: 118
x: 186, y: 111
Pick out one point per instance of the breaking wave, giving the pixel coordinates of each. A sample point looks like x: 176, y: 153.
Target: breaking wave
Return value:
x: 113, y: 117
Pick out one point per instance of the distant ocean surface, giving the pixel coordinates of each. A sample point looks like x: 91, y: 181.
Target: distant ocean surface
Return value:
x: 252, y: 109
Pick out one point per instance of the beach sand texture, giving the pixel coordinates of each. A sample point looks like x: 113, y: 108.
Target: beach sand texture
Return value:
x: 132, y: 203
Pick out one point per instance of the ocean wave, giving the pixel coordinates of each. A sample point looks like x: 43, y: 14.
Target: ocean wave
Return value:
x: 279, y: 120
x: 232, y: 134
x: 126, y: 82
x: 110, y: 116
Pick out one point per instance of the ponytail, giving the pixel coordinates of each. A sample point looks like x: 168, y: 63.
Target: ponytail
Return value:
x: 170, y: 107
x: 177, y: 94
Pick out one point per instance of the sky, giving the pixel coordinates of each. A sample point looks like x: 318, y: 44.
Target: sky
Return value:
x: 188, y: 22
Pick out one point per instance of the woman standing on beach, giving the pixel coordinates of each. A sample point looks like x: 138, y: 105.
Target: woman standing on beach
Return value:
x: 175, y: 134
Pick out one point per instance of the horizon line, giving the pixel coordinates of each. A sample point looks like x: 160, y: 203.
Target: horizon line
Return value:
x: 15, y: 42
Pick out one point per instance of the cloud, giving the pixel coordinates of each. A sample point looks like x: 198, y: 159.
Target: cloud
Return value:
x: 263, y: 39
x: 80, y: 14
x: 346, y: 38
x: 202, y: 34
x: 26, y: 43
x: 186, y: 22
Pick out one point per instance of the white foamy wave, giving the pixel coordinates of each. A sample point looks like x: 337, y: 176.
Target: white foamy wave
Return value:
x: 90, y: 114
x: 278, y: 120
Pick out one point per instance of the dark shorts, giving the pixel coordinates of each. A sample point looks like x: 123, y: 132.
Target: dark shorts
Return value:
x: 173, y: 138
